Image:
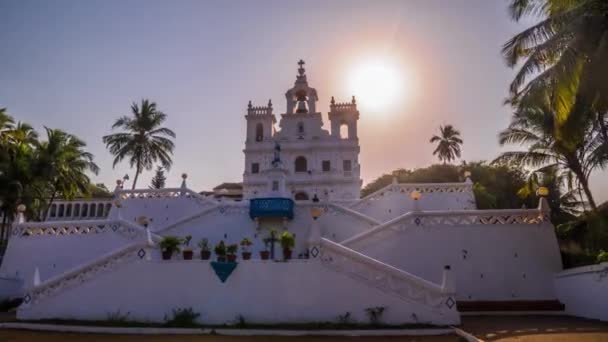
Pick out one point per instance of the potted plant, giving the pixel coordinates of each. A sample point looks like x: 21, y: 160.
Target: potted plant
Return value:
x: 203, y: 244
x: 287, y: 243
x: 169, y: 245
x: 220, y: 251
x: 231, y: 252
x: 245, y: 243
x: 187, y: 252
x: 265, y: 253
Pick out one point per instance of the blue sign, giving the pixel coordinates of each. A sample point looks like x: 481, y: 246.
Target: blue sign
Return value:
x: 271, y: 207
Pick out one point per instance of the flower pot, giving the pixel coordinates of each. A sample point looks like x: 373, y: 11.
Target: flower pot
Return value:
x: 187, y: 254
x: 221, y: 258
x: 246, y: 255
x: 231, y: 257
x: 286, y: 253
x: 205, y: 255
x: 167, y: 255
x: 264, y: 255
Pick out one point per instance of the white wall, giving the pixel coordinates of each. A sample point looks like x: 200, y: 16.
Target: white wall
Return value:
x: 490, y: 262
x: 262, y: 292
x: 10, y: 287
x: 160, y: 211
x: 584, y: 291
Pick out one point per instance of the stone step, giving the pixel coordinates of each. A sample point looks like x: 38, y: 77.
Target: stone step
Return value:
x: 510, y: 305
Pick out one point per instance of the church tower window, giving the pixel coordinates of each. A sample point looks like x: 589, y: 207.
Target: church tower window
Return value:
x: 255, y: 168
x: 301, y: 164
x: 259, y: 132
x: 347, y: 165
x: 326, y: 165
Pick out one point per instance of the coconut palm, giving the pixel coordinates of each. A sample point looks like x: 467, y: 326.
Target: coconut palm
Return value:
x: 63, y: 163
x: 448, y: 147
x: 564, y: 58
x: 143, y: 140
x: 534, y: 127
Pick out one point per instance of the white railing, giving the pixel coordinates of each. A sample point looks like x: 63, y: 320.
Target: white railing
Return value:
x: 385, y: 277
x: 407, y: 188
x: 162, y: 193
x: 62, y: 210
x: 333, y: 208
x: 453, y: 218
x: 86, y: 272
x: 65, y: 228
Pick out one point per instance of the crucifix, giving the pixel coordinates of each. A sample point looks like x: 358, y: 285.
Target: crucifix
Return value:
x: 272, y: 239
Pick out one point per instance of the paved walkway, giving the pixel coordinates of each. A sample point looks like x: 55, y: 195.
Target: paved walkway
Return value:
x: 535, y: 328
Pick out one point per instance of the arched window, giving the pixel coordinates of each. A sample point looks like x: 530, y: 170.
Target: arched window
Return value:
x: 301, y: 196
x: 300, y: 128
x: 100, y: 210
x: 85, y: 210
x: 259, y: 132
x: 343, y: 131
x: 301, y: 164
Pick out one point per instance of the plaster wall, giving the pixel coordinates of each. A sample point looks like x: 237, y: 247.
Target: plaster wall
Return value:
x: 262, y: 292
x: 490, y: 262
x: 160, y: 211
x: 54, y: 254
x: 584, y: 291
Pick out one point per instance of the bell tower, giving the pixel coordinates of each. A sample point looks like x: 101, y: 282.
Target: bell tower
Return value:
x: 344, y: 114
x: 260, y: 123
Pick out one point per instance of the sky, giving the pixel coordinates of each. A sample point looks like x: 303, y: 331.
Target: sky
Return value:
x: 78, y: 65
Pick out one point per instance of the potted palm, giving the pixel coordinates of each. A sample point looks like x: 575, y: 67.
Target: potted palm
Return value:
x: 231, y: 252
x: 220, y: 251
x: 187, y: 252
x: 287, y: 243
x: 265, y: 253
x: 169, y: 245
x: 245, y: 243
x: 203, y: 244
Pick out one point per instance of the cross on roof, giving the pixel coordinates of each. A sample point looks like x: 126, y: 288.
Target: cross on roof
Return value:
x: 301, y: 63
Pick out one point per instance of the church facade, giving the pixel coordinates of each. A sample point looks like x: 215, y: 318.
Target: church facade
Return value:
x: 314, y: 162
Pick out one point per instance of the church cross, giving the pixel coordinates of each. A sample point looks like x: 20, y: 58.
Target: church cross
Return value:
x: 301, y: 63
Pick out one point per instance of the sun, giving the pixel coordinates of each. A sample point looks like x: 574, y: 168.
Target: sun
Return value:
x: 379, y: 85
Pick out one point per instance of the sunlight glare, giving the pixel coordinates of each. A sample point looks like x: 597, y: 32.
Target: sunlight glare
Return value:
x: 378, y: 85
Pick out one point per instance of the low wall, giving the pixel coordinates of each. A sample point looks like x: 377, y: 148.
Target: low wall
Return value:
x: 259, y: 291
x: 584, y: 291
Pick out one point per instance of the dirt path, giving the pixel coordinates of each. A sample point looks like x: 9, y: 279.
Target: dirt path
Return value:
x: 535, y: 328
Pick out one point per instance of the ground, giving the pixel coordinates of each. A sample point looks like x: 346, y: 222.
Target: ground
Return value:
x: 535, y: 328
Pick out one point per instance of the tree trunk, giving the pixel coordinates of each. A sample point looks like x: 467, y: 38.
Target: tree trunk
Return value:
x: 575, y: 166
x: 48, y: 207
x: 137, y: 171
x: 603, y: 129
x: 3, y: 240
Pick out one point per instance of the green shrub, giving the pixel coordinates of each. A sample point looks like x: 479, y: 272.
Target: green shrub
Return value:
x: 287, y: 240
x: 220, y: 248
x: 203, y: 244
x: 231, y: 249
x: 375, y: 314
x: 170, y: 243
x: 183, y: 317
x: 602, y: 257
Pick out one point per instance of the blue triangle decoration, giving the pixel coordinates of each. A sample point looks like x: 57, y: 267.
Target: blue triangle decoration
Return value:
x: 223, y: 269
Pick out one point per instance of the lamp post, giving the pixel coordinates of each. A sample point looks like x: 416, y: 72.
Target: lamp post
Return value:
x: 20, y: 213
x: 314, y: 241
x: 543, y: 205
x: 416, y: 195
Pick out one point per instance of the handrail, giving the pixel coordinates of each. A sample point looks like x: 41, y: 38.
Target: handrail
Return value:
x: 344, y: 209
x: 491, y: 216
x: 171, y: 225
x: 354, y: 255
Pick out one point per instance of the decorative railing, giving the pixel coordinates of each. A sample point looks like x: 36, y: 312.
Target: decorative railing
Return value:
x: 385, y: 277
x: 79, y: 209
x: 84, y: 273
x: 64, y: 228
x: 335, y: 209
x: 165, y: 193
x: 407, y: 188
x: 453, y: 218
x: 343, y: 107
x: 259, y: 110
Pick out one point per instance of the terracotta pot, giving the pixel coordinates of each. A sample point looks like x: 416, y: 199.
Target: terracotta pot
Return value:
x: 246, y: 255
x: 187, y: 254
x: 286, y: 253
x: 167, y: 255
x: 221, y: 258
x: 231, y: 257
x: 264, y: 255
x: 205, y: 255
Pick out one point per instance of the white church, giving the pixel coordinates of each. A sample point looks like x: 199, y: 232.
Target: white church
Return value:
x: 414, y: 253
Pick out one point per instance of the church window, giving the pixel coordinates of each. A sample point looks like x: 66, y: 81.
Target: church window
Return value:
x: 300, y: 128
x: 347, y: 165
x: 326, y: 166
x: 259, y: 132
x: 301, y: 164
x: 85, y: 210
x: 343, y: 131
x: 255, y: 168
x: 61, y: 209
x: 275, y: 186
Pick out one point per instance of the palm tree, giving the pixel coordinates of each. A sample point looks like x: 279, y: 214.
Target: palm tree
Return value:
x: 63, y: 163
x: 158, y: 181
x: 534, y: 128
x: 142, y: 140
x: 448, y: 148
x: 566, y: 55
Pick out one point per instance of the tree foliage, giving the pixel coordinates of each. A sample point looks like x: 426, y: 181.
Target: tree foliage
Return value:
x: 448, y: 144
x: 142, y: 140
x: 158, y: 181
